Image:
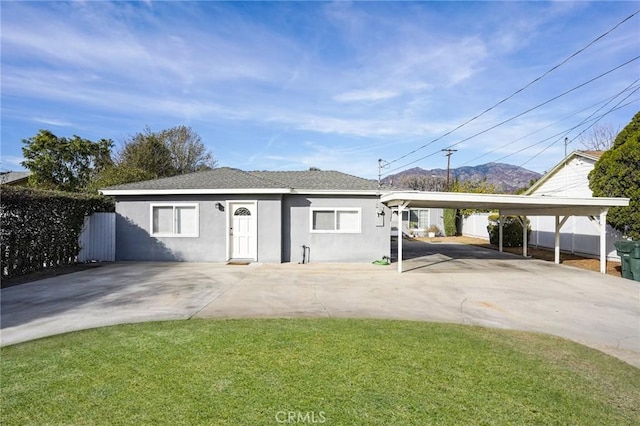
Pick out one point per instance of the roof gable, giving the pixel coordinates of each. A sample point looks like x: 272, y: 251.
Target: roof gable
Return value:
x: 592, y: 156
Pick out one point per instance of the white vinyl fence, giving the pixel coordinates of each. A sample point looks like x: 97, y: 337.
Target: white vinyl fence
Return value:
x: 476, y: 225
x: 98, y: 238
x: 577, y: 236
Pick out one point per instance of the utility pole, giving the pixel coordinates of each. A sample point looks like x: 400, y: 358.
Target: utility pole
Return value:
x: 381, y: 165
x: 566, y: 175
x: 449, y: 153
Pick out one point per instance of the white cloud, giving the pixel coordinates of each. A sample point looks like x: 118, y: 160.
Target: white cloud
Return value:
x: 11, y: 162
x: 52, y: 121
x: 365, y: 95
x: 363, y: 78
x: 325, y: 158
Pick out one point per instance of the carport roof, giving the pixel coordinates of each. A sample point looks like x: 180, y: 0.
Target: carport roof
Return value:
x: 521, y: 205
x: 524, y: 205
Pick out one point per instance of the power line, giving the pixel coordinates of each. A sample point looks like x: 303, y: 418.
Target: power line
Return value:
x: 522, y: 113
x: 534, y: 132
x: 519, y: 90
x: 563, y: 133
x: 615, y: 107
x: 608, y: 100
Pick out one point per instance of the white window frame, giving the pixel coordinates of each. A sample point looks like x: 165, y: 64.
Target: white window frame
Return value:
x: 420, y: 209
x: 335, y: 219
x: 174, y: 206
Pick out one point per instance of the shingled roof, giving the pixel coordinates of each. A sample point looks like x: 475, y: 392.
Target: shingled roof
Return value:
x: 227, y: 178
x: 318, y: 179
x: 14, y: 178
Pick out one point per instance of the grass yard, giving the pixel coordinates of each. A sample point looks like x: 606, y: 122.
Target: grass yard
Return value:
x: 329, y: 371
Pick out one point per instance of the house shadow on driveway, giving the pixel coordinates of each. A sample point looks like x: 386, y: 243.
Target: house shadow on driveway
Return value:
x: 46, y: 297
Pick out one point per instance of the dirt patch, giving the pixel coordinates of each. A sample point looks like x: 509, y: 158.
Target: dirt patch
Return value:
x: 613, y: 268
x: 47, y: 273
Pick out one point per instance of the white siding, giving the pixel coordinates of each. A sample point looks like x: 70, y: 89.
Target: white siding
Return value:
x: 572, y: 180
x: 578, y: 235
x: 98, y: 238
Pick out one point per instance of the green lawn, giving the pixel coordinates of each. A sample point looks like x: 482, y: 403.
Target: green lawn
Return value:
x: 327, y: 371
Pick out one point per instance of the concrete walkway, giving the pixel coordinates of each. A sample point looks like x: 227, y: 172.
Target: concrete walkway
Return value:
x: 444, y: 282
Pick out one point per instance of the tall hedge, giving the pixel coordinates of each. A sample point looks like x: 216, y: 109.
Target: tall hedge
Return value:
x: 449, y: 218
x: 40, y: 229
x: 617, y: 174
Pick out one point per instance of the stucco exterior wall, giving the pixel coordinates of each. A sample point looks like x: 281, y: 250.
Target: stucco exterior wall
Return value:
x: 134, y: 240
x: 270, y: 230
x: 373, y: 242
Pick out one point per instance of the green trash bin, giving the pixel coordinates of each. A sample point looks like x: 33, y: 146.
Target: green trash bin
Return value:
x: 629, y: 252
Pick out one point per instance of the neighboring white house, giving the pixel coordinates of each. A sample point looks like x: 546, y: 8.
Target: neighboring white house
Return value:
x: 570, y: 178
x: 417, y: 220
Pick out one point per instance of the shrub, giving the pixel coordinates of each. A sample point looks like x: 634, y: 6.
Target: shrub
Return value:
x: 434, y: 229
x: 449, y: 217
x: 511, y: 231
x: 40, y: 229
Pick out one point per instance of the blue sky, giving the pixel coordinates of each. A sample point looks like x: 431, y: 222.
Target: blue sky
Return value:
x: 288, y: 85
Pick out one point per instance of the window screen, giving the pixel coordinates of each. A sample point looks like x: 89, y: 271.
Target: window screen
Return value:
x: 163, y: 220
x: 324, y: 220
x: 348, y: 221
x: 420, y: 217
x: 174, y: 220
x: 186, y: 220
x: 335, y: 220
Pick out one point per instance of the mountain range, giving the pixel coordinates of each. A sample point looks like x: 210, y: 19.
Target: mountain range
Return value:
x: 506, y: 177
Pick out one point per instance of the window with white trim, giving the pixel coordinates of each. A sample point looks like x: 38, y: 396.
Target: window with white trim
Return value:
x: 419, y: 218
x: 174, y: 220
x: 346, y: 220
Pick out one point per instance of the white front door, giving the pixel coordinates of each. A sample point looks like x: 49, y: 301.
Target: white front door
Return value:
x: 243, y: 231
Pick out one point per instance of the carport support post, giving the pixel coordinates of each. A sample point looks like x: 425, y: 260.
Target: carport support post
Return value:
x: 500, y: 226
x: 559, y: 224
x: 401, y: 207
x: 603, y: 242
x: 523, y: 222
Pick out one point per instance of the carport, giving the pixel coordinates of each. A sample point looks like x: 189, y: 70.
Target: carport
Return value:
x: 513, y: 205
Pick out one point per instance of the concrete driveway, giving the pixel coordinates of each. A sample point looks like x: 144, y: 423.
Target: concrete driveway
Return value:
x: 444, y: 282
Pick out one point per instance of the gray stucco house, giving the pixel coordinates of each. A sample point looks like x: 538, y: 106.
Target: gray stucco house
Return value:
x: 226, y: 214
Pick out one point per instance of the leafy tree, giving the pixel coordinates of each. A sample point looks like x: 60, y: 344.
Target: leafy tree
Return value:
x: 422, y: 183
x: 66, y: 164
x: 453, y: 217
x: 480, y: 186
x: 617, y: 174
x: 117, y: 175
x: 526, y: 188
x: 170, y: 152
x: 148, y: 152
